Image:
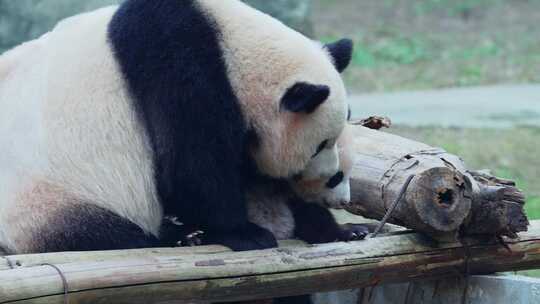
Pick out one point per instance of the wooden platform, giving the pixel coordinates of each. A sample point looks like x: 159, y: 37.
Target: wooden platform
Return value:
x: 206, y: 274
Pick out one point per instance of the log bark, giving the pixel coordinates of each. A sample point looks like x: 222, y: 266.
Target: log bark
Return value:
x: 443, y: 197
x: 210, y: 274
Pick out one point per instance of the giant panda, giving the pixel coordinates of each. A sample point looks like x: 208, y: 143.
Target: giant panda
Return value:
x: 121, y: 115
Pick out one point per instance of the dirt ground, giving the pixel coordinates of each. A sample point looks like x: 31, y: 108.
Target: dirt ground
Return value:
x: 421, y: 44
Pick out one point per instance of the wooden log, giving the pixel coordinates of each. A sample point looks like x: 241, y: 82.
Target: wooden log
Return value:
x: 216, y: 274
x: 443, y: 197
x: 497, y: 208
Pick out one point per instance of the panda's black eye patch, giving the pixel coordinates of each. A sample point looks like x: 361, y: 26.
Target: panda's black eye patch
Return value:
x: 335, y: 180
x: 304, y: 97
x: 320, y: 148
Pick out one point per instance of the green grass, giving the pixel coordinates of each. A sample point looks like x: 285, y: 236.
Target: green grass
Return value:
x: 425, y: 44
x: 392, y: 50
x: 533, y: 207
x: 451, y: 7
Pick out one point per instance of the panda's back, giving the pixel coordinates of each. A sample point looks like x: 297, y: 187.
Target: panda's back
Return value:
x: 69, y: 132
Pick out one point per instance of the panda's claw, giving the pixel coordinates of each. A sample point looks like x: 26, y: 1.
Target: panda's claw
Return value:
x: 353, y: 232
x: 194, y: 238
x: 191, y: 239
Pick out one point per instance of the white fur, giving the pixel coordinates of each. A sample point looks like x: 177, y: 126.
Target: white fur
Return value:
x: 264, y: 58
x: 15, y: 57
x: 325, y: 164
x: 312, y: 186
x: 268, y: 207
x: 69, y: 135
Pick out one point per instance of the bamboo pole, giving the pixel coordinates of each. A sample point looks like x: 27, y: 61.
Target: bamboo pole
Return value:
x: 212, y: 274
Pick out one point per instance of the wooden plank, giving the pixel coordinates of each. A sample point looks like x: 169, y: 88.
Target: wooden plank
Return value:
x: 216, y: 274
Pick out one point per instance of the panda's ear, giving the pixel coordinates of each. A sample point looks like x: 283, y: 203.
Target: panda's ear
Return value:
x: 304, y: 97
x: 341, y: 51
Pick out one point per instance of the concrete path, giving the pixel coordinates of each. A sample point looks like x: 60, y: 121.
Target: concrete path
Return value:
x: 476, y: 107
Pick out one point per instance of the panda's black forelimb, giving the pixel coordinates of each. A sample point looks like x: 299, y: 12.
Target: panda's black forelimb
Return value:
x: 170, y: 57
x: 315, y: 224
x: 249, y: 237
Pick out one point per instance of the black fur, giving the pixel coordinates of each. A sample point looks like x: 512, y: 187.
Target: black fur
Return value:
x: 86, y: 227
x: 305, y: 299
x: 320, y: 148
x: 304, y: 97
x: 341, y: 51
x: 4, y: 251
x: 315, y: 224
x: 169, y: 54
x: 335, y: 180
x: 309, y: 218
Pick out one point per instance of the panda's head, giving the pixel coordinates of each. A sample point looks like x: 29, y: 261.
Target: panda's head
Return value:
x: 289, y: 87
x: 321, y: 183
x: 312, y: 114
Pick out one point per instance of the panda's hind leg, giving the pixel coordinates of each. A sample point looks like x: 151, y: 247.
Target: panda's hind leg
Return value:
x: 93, y: 228
x: 86, y: 227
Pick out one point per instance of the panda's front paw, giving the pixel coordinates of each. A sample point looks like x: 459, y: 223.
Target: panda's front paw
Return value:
x: 353, y: 232
x: 247, y: 237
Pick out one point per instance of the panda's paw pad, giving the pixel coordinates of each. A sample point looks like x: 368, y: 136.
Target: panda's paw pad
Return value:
x: 192, y: 239
x: 353, y: 232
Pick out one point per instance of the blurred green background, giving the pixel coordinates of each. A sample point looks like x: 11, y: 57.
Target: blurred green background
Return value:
x: 433, y: 44
x: 401, y: 45
x: 425, y: 44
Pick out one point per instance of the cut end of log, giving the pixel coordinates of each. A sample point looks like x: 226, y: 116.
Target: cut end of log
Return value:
x: 440, y: 201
